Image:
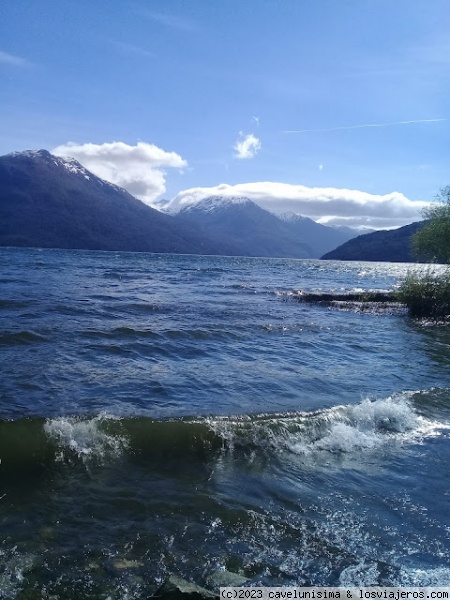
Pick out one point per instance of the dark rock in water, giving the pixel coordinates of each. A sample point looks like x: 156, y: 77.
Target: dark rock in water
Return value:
x: 368, y: 296
x: 176, y: 588
x: 367, y: 301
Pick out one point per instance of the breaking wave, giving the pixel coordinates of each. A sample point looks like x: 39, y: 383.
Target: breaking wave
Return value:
x: 84, y: 438
x: 340, y: 430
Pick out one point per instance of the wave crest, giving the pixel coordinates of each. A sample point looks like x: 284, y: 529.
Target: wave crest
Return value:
x: 364, y: 426
x: 84, y: 438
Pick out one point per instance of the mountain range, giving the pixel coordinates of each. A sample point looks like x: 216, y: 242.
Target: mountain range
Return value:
x: 254, y: 231
x: 52, y: 202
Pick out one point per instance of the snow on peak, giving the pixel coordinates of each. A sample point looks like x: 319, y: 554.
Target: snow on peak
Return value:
x: 71, y: 165
x: 31, y: 153
x: 68, y: 163
x: 65, y: 162
x: 213, y: 203
x: 291, y: 217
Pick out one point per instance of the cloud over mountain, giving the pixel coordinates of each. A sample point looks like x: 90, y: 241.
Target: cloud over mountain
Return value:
x: 139, y: 169
x: 331, y: 206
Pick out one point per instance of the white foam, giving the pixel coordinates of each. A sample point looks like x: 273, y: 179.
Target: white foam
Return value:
x: 364, y: 426
x: 345, y: 438
x: 14, y: 568
x: 438, y: 577
x: 361, y: 575
x: 343, y: 429
x: 84, y: 437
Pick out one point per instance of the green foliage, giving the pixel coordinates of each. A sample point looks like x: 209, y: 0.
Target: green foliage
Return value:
x: 432, y: 243
x: 426, y: 295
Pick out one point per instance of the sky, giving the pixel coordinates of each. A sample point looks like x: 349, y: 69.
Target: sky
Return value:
x: 334, y: 109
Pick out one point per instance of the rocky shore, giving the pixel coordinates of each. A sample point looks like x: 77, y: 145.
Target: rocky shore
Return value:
x: 366, y: 301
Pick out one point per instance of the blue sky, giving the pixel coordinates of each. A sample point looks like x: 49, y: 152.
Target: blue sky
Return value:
x: 191, y: 80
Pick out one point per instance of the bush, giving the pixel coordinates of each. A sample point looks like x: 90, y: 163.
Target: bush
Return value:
x: 426, y: 294
x: 432, y: 242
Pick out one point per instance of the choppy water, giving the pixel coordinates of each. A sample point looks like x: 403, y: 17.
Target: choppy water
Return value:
x: 182, y: 415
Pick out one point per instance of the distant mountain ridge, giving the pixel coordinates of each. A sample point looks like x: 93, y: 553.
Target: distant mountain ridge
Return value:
x: 52, y: 202
x: 254, y: 231
x: 251, y: 230
x: 215, y: 203
x: 320, y: 237
x: 393, y: 246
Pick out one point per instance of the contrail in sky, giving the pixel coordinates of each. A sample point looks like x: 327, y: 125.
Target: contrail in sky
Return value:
x: 364, y: 126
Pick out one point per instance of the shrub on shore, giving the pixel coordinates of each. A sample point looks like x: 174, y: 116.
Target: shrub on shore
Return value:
x: 426, y: 295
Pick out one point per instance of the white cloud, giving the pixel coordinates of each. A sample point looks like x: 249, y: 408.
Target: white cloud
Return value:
x: 247, y: 146
x: 320, y: 167
x: 15, y: 61
x: 139, y: 169
x: 332, y: 206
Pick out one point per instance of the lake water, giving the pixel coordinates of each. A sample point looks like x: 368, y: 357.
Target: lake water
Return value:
x: 185, y: 416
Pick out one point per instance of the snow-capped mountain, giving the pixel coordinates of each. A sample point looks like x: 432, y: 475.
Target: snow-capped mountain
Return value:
x: 54, y: 202
x: 249, y: 229
x: 258, y: 232
x: 50, y: 201
x: 69, y: 164
x: 215, y: 203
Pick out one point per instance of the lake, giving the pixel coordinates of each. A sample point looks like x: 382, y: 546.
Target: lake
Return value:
x: 166, y: 415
